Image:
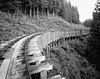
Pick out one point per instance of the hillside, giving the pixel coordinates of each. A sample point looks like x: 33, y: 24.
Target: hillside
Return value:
x: 15, y: 25
x: 68, y: 60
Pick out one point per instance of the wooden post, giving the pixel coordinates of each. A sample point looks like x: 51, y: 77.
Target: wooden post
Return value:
x: 37, y: 13
x: 34, y: 12
x: 48, y: 50
x: 43, y: 74
x: 64, y: 36
x: 53, y: 12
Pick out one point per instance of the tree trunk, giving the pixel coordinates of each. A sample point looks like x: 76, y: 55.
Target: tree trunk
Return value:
x: 25, y: 9
x: 37, y: 12
x: 42, y: 11
x: 30, y: 12
x: 48, y: 12
x: 34, y: 12
x: 53, y: 12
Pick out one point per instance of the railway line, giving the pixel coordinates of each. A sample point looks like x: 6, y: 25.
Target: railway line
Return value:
x: 26, y: 59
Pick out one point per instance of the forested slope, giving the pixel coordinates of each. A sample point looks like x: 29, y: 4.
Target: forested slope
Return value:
x: 21, y: 17
x: 69, y: 61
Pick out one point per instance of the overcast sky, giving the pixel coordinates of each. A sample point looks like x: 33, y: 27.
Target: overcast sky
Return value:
x: 85, y: 8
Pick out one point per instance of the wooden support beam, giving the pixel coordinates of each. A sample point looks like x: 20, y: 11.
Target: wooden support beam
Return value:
x: 62, y: 78
x: 43, y: 74
x: 48, y: 50
x: 40, y: 67
x: 34, y: 59
x: 34, y: 52
x: 55, y: 77
x: 33, y: 49
x: 4, y: 44
x: 34, y: 55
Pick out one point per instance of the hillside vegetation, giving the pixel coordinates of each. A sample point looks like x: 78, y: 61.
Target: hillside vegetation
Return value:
x: 68, y: 60
x: 15, y: 25
x: 61, y: 8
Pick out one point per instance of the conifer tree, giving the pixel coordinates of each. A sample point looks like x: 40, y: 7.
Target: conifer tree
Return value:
x: 94, y: 43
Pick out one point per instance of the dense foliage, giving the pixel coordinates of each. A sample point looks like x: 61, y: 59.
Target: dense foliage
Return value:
x: 40, y: 7
x: 68, y: 62
x: 87, y: 22
x: 94, y: 41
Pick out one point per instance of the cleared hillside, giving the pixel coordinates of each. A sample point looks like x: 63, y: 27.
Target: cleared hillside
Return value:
x: 15, y: 25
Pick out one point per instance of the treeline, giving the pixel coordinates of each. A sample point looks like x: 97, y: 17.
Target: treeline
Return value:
x: 93, y: 47
x: 42, y: 7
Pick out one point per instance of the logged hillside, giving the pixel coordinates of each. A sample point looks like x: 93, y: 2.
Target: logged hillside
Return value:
x: 15, y: 25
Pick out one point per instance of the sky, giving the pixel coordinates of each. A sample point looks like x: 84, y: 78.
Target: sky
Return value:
x: 85, y: 8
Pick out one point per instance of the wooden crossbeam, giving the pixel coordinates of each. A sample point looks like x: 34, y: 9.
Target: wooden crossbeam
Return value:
x: 62, y: 78
x: 43, y: 74
x: 35, y: 69
x: 31, y: 56
x: 34, y: 52
x: 41, y: 58
x: 55, y: 77
x: 33, y: 49
x: 40, y: 67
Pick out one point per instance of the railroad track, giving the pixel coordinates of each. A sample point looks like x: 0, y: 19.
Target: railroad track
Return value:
x: 5, y: 48
x: 25, y: 61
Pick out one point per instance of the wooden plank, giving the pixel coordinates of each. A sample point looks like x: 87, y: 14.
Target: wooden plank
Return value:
x: 35, y: 68
x: 34, y: 43
x: 19, y: 75
x: 4, y: 44
x: 35, y: 39
x: 41, y: 67
x: 55, y: 77
x: 20, y: 67
x: 43, y: 74
x: 4, y: 68
x: 33, y: 52
x: 62, y: 78
x: 41, y: 58
x: 33, y: 49
x: 31, y: 46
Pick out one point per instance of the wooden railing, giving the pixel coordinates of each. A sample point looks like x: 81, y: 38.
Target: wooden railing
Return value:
x: 50, y: 39
x: 51, y: 36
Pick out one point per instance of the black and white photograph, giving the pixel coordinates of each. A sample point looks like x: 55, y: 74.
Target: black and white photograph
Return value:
x: 49, y: 39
